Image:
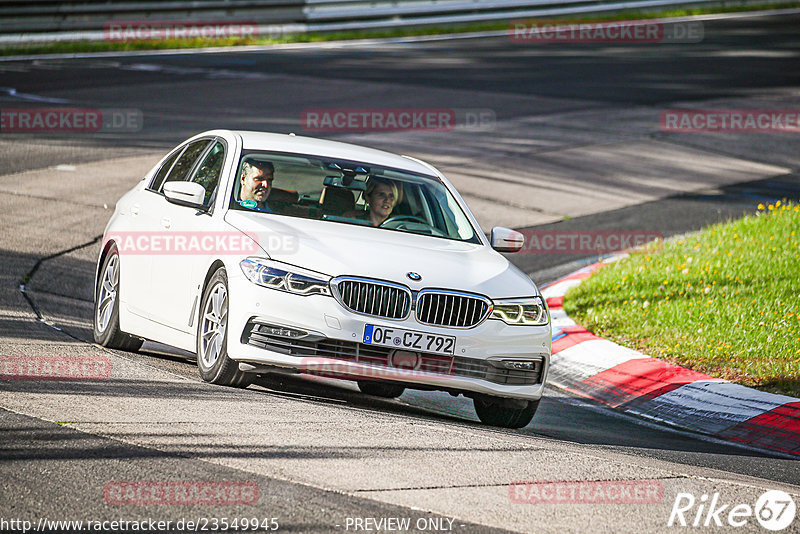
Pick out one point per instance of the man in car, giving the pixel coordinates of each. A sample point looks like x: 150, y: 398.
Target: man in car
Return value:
x: 256, y: 185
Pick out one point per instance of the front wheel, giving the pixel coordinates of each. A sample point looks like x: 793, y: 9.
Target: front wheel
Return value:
x: 212, y: 337
x: 506, y: 413
x: 106, y: 307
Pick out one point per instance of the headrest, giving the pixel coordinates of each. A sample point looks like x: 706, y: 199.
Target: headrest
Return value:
x: 282, y: 196
x: 337, y: 201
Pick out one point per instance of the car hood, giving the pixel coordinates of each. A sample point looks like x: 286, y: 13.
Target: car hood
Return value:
x: 342, y: 249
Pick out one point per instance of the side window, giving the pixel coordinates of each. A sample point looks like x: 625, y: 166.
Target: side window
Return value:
x: 209, y: 170
x: 162, y: 172
x: 186, y: 162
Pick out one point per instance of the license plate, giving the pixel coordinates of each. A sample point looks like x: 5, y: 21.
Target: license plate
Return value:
x: 408, y: 339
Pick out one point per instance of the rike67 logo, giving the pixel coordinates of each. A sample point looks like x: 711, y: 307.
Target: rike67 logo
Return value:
x: 774, y: 510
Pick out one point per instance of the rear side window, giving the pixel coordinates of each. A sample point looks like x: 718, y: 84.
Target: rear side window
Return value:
x: 165, y: 168
x: 209, y: 170
x: 186, y: 161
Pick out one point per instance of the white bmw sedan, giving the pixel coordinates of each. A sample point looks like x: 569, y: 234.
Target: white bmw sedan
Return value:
x: 270, y: 253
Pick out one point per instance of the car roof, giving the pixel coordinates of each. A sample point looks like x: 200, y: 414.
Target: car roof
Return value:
x: 333, y: 149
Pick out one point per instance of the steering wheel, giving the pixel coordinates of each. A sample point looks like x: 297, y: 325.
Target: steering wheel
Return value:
x: 397, y: 222
x: 402, y: 218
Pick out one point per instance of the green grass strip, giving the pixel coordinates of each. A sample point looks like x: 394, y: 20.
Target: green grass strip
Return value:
x: 724, y: 301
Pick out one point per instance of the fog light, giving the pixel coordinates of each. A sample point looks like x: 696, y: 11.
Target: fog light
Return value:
x: 525, y: 365
x: 280, y: 331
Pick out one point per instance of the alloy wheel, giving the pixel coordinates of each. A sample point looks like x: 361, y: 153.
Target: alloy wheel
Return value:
x: 108, y: 293
x: 215, y: 321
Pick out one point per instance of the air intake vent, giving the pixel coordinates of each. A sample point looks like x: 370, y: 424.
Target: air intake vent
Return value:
x: 373, y: 297
x: 451, y: 309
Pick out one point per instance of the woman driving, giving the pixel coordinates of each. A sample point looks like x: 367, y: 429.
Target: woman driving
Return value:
x: 382, y: 196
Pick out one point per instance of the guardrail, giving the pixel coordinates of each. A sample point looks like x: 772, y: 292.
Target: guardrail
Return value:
x: 46, y: 20
x: 30, y: 16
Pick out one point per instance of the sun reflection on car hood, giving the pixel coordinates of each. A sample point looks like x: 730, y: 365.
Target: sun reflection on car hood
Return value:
x: 342, y: 249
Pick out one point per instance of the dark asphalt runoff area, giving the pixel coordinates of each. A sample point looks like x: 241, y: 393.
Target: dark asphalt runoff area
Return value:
x: 567, y: 111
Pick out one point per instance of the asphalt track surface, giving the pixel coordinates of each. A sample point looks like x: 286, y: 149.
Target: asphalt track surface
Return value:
x: 582, y: 117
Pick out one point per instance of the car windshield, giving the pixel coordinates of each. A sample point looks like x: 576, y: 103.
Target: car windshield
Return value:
x: 345, y: 192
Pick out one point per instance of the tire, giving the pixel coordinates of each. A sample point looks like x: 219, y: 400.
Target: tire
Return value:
x: 380, y: 389
x: 212, y: 337
x: 106, y: 307
x: 504, y: 412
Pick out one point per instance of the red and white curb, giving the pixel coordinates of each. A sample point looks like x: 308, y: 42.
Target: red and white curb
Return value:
x: 632, y: 382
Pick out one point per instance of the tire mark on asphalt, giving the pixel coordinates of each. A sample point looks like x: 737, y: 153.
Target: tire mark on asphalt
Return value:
x: 512, y: 204
x: 503, y: 484
x: 664, y: 137
x: 27, y: 277
x: 4, y: 191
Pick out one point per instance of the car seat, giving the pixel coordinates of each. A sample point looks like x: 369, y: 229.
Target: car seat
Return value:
x: 337, y: 201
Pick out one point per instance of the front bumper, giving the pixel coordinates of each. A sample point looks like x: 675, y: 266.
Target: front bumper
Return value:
x: 332, y: 345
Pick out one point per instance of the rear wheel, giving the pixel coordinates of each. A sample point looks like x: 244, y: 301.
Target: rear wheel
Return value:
x: 506, y: 413
x: 106, y: 307
x: 212, y: 337
x: 379, y: 389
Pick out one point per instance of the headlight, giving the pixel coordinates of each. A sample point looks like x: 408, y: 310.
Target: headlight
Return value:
x: 284, y: 277
x: 525, y: 311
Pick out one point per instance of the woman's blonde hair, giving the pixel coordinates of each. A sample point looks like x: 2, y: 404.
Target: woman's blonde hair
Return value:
x: 373, y: 182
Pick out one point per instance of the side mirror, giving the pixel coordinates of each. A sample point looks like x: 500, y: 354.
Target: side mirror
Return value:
x: 188, y: 194
x: 506, y: 240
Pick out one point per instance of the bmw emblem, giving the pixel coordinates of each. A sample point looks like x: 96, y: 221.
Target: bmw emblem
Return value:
x: 414, y: 276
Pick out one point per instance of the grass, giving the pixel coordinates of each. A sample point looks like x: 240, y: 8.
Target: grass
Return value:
x: 724, y: 301
x: 73, y: 47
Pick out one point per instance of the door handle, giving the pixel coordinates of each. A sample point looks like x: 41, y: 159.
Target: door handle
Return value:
x: 166, y: 222
x: 135, y: 209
